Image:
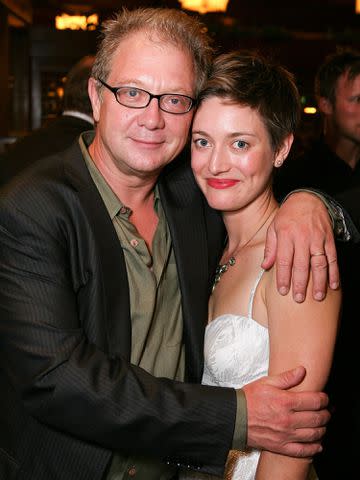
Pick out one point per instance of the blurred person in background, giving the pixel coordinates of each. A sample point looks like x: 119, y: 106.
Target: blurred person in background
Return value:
x: 332, y: 165
x: 58, y: 133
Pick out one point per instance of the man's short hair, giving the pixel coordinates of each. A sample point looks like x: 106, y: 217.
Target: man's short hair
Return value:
x: 76, y: 96
x: 167, y: 24
x: 334, y: 66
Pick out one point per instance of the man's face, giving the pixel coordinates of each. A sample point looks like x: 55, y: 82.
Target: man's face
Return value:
x: 346, y: 111
x: 140, y: 142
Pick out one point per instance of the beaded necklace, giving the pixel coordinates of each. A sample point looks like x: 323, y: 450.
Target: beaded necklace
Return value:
x: 224, y: 267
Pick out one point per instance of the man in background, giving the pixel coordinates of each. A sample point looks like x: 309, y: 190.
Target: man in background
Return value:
x: 60, y: 132
x: 332, y: 166
x: 332, y: 162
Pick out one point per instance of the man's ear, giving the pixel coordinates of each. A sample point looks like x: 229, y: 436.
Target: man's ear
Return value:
x: 94, y: 98
x: 325, y: 106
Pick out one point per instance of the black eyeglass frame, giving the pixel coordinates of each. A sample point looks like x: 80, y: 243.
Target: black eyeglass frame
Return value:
x: 114, y: 90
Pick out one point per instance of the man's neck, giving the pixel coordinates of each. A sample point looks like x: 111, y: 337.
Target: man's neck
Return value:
x: 344, y: 148
x: 135, y: 191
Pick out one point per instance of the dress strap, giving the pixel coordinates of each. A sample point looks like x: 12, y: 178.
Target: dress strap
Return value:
x: 252, y: 293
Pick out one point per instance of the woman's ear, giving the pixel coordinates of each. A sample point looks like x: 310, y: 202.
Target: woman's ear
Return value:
x: 284, y: 150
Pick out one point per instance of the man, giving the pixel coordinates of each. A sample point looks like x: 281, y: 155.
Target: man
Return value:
x: 108, y: 252
x: 60, y: 132
x: 332, y: 165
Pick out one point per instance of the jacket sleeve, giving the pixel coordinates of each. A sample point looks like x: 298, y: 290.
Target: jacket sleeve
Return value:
x: 349, y: 200
x: 70, y: 383
x: 343, y: 210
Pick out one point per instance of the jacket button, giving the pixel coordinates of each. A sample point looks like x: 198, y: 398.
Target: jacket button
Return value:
x: 132, y: 472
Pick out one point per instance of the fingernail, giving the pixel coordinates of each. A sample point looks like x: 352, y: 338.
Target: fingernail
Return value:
x: 319, y: 295
x: 283, y: 290
x: 299, y: 297
x: 334, y: 285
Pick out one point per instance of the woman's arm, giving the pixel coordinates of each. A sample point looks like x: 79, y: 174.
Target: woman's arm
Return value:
x: 302, y: 227
x: 300, y: 334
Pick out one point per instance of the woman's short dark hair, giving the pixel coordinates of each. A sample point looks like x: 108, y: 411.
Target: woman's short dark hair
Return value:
x: 248, y: 79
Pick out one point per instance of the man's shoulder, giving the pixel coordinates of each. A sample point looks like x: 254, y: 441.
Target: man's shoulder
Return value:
x: 178, y: 171
x: 315, y: 150
x: 302, y: 169
x: 42, y: 143
x: 68, y: 127
x: 44, y: 177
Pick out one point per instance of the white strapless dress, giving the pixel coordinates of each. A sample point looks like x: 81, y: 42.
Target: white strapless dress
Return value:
x: 236, y: 352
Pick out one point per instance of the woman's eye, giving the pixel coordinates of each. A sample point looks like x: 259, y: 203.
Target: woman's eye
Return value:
x: 201, y: 142
x: 240, y: 144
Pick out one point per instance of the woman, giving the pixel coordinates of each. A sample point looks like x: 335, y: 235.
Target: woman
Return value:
x: 243, y: 128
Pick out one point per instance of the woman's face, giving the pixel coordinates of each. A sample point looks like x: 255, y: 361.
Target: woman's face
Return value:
x: 232, y: 157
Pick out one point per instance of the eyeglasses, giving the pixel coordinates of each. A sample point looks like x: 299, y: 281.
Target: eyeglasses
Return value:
x: 133, y: 97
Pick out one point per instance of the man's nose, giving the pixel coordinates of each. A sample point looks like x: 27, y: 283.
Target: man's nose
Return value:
x: 152, y: 116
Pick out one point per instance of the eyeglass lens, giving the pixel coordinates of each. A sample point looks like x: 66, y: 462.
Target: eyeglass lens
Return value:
x: 138, y: 98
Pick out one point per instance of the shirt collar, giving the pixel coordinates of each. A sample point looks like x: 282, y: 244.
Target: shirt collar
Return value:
x: 112, y: 203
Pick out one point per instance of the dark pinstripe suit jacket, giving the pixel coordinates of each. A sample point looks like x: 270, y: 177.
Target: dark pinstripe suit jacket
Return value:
x: 52, y: 138
x: 68, y: 395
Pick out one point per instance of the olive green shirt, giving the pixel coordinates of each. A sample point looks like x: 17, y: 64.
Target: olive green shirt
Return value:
x: 156, y: 316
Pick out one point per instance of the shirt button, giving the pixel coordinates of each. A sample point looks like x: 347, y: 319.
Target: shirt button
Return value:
x: 134, y: 242
x: 132, y: 472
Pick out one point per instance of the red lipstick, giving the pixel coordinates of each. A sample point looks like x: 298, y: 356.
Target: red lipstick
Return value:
x: 221, y: 183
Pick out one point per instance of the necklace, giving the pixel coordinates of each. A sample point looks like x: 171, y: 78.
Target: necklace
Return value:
x: 224, y: 267
x: 221, y: 269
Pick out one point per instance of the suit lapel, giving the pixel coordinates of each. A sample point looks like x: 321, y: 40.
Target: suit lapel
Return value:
x: 184, y: 211
x: 197, y: 237
x: 115, y: 286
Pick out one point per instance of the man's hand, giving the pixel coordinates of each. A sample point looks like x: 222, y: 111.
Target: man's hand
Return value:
x: 300, y: 237
x: 286, y: 422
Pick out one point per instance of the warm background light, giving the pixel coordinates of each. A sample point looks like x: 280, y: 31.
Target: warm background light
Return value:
x: 357, y: 6
x: 310, y: 110
x: 204, y: 6
x: 76, y: 22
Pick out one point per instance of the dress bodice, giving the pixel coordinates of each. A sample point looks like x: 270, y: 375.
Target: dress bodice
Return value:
x: 236, y: 352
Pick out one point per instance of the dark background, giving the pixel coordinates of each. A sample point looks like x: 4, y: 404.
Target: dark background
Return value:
x: 35, y: 56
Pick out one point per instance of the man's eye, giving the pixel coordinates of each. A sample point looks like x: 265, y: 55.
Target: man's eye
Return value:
x: 133, y: 93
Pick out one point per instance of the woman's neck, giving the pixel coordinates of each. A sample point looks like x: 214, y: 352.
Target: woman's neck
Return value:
x: 249, y: 224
